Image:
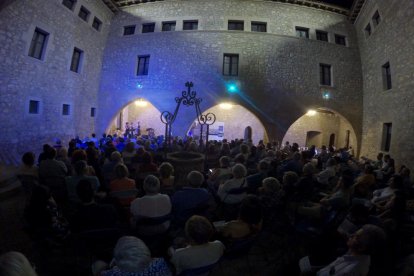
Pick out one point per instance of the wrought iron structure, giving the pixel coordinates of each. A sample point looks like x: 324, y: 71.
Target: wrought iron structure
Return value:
x: 188, y: 98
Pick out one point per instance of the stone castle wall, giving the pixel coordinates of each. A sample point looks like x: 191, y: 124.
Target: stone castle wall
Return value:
x: 49, y: 81
x: 278, y: 72
x: 390, y: 41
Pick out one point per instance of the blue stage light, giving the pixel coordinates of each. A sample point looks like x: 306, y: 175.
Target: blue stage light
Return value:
x: 232, y: 88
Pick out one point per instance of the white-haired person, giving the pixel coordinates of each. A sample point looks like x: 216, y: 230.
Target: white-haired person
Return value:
x: 151, y: 206
x: 15, y: 264
x: 131, y: 257
x: 200, y: 252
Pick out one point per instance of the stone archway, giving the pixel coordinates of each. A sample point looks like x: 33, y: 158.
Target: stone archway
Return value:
x: 231, y: 122
x: 141, y: 111
x: 327, y: 122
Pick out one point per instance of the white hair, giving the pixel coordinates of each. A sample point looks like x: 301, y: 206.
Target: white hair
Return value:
x: 131, y: 254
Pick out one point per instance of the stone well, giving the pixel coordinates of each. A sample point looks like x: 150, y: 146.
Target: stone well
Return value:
x: 185, y: 162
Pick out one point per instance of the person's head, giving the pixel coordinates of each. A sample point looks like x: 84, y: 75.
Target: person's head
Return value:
x: 151, y: 184
x: 81, y: 167
x: 62, y: 152
x: 251, y: 210
x: 240, y: 158
x: 15, y: 264
x: 130, y: 147
x: 78, y: 155
x: 28, y: 158
x: 85, y: 191
x: 224, y: 162
x: 239, y: 171
x: 347, y: 179
x: 244, y: 148
x: 116, y: 156
x: 359, y: 213
x: 368, y: 169
x: 131, y: 254
x: 166, y: 169
x: 331, y: 162
x: 198, y: 229
x: 51, y: 153
x: 46, y: 147
x: 271, y: 185
x: 297, y: 156
x: 308, y: 169
x: 380, y: 156
x: 367, y: 240
x: 263, y: 166
x: 40, y: 197
x: 195, y: 179
x: 290, y: 178
x: 147, y: 158
x: 121, y: 171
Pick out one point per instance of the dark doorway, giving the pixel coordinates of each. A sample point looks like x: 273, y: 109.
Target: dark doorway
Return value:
x: 248, y: 133
x: 332, y: 140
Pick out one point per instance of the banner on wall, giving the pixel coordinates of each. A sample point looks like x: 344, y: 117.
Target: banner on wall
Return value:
x: 216, y: 131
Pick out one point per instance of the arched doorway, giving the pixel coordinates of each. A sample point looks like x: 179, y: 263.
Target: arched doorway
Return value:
x: 232, y: 122
x: 248, y: 133
x: 139, y: 111
x: 322, y: 126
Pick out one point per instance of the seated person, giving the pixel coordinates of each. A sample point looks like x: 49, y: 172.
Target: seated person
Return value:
x: 219, y: 175
x: 81, y: 172
x: 166, y: 171
x: 237, y: 182
x: 152, y: 205
x: 122, y: 187
x: 324, y: 176
x: 131, y: 258
x: 15, y: 264
x: 200, y: 252
x: 28, y: 167
x: 254, y: 181
x: 91, y: 215
x: 248, y: 223
x: 365, y: 183
x: 365, y: 242
x: 186, y: 201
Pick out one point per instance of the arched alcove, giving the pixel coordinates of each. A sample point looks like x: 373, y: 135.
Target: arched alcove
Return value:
x: 231, y: 123
x: 141, y: 111
x: 322, y: 127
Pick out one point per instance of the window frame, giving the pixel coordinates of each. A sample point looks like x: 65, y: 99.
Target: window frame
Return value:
x: 96, y: 23
x: 324, y: 78
x: 76, y: 61
x: 318, y: 33
x: 386, y: 137
x: 258, y: 24
x: 235, y: 25
x: 368, y: 30
x: 376, y: 18
x: 72, y: 6
x: 192, y: 23
x: 93, y: 112
x: 85, y: 11
x: 37, y: 102
x: 170, y: 24
x: 145, y: 25
x: 66, y: 109
x: 129, y: 30
x: 143, y: 62
x: 34, y: 50
x: 231, y: 64
x: 299, y: 30
x: 340, y: 38
x: 386, y: 76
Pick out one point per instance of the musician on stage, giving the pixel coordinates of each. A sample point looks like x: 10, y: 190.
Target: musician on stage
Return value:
x: 138, y: 132
x: 131, y: 130
x: 127, y: 130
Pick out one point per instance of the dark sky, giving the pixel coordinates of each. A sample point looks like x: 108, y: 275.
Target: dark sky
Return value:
x: 342, y: 3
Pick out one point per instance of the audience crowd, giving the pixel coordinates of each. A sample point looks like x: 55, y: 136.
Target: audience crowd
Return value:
x: 332, y: 214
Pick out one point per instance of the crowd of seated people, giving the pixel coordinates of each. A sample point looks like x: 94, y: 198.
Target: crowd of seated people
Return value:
x: 244, y: 191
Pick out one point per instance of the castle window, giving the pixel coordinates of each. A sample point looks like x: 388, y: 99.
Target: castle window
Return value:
x: 148, y: 28
x: 129, y: 30
x: 231, y: 64
x: 143, y: 65
x: 386, y: 76
x: 93, y: 111
x: 38, y: 44
x: 84, y: 13
x: 235, y: 25
x: 325, y: 74
x: 34, y: 107
x: 259, y: 27
x: 190, y: 25
x: 340, y: 39
x: 70, y: 4
x: 322, y: 36
x: 376, y: 18
x: 76, y: 60
x: 168, y: 26
x: 368, y: 30
x: 302, y: 32
x: 65, y: 109
x: 386, y: 136
x: 96, y: 24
